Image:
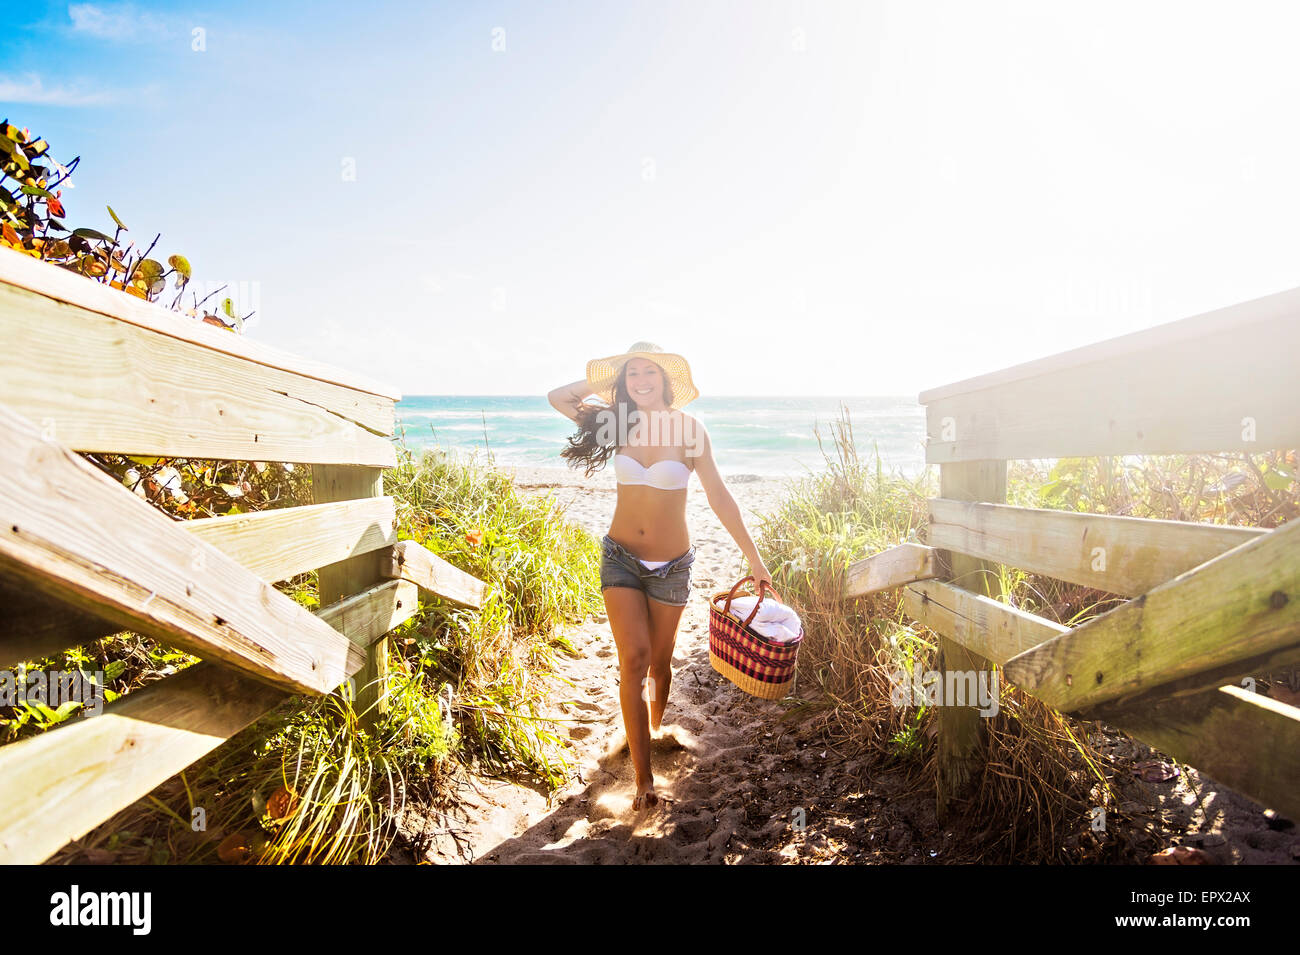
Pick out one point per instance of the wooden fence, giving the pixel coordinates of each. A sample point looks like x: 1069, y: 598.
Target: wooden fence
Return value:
x: 1210, y: 604
x: 88, y: 368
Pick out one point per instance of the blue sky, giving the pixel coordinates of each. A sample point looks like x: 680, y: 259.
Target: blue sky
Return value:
x: 804, y: 198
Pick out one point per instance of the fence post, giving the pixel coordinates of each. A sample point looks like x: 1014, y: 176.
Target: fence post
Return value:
x: 332, y: 483
x: 960, y: 729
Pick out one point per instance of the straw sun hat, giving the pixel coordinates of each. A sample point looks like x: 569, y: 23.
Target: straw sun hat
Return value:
x: 601, y: 372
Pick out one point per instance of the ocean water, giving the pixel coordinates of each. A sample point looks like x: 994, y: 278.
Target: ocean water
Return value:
x: 751, y: 435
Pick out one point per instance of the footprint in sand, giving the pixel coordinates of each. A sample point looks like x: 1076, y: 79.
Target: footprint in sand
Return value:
x: 673, y: 739
x: 690, y: 723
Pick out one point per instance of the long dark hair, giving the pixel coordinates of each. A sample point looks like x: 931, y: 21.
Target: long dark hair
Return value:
x: 584, y: 448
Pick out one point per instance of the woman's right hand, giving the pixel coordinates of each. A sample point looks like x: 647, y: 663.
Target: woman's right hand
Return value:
x: 568, y: 399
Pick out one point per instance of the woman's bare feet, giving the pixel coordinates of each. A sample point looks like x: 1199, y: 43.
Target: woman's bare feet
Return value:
x: 645, y: 795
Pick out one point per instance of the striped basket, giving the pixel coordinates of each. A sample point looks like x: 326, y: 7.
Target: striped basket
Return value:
x: 759, y: 666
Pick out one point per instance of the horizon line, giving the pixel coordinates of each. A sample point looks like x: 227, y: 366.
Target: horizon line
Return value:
x: 406, y: 395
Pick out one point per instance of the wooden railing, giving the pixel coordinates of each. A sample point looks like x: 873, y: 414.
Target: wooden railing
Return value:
x: 1213, y: 604
x: 89, y: 368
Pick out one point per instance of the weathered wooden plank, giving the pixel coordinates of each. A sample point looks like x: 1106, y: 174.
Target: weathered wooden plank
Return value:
x: 354, y: 575
x: 409, y: 561
x: 64, y: 286
x: 899, y: 565
x: 960, y: 727
x: 75, y: 534
x: 1120, y: 555
x: 98, y: 384
x: 1242, y: 739
x: 59, y: 785
x: 275, y: 545
x: 1183, y: 388
x: 278, y: 544
x: 987, y: 627
x: 368, y: 616
x: 1235, y: 612
x: 1235, y: 319
x: 362, y: 618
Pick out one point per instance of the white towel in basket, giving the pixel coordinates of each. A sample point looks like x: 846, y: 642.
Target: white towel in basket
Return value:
x: 774, y: 619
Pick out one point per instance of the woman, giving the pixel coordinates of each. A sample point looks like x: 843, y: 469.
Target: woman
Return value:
x: 645, y: 572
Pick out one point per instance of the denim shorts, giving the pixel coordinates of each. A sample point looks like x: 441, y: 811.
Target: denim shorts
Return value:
x: 669, y: 584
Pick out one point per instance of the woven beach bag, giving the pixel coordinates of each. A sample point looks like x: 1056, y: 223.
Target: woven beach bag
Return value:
x: 759, y: 666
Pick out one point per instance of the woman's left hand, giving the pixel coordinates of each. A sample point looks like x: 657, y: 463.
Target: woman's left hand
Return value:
x: 761, y: 575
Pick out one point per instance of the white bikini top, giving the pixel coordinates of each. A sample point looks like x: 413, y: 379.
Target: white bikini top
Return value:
x: 666, y: 475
